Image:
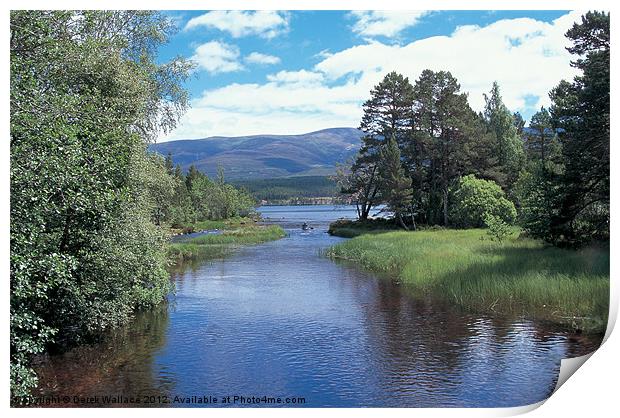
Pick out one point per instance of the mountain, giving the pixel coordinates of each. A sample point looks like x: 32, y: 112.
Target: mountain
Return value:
x: 265, y: 156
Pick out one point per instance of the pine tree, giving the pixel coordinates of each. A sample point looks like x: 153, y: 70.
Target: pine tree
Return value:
x: 395, y: 185
x: 509, y: 147
x: 387, y: 113
x: 519, y: 123
x: 581, y: 110
x: 169, y: 164
x: 444, y: 130
x: 540, y: 142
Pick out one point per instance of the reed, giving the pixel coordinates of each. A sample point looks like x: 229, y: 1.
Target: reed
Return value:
x: 217, y: 245
x: 518, y: 275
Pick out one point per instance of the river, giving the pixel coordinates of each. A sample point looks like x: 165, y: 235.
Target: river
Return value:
x: 279, y: 320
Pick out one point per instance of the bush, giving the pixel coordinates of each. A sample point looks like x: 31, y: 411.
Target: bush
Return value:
x: 498, y: 229
x: 474, y: 199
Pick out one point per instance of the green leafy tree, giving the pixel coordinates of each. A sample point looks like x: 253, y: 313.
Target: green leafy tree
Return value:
x: 359, y: 182
x: 84, y: 101
x: 538, y: 193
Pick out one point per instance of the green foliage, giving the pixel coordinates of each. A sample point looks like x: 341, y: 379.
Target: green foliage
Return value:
x: 537, y: 193
x: 498, y: 230
x: 395, y: 185
x: 558, y: 178
x: 518, y: 276
x: 85, y: 197
x: 581, y: 112
x: 386, y: 114
x: 541, y: 142
x: 439, y: 138
x: 502, y: 124
x: 476, y: 199
x: 216, y: 200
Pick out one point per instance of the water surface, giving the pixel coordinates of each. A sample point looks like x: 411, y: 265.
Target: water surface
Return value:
x: 280, y: 320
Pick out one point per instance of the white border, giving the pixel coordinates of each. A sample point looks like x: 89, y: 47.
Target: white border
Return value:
x: 591, y: 392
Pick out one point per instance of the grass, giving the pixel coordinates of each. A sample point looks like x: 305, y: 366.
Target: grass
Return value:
x: 217, y: 245
x: 230, y: 223
x: 518, y: 275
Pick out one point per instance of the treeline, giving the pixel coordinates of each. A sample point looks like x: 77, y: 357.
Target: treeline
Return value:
x: 195, y: 197
x: 91, y: 209
x: 289, y: 187
x: 424, y: 144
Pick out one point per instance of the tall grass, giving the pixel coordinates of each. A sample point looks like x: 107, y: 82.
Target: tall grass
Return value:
x: 246, y: 235
x: 230, y: 223
x: 517, y: 275
x: 216, y: 245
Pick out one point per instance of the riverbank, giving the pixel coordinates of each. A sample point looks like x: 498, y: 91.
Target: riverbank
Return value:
x: 518, y: 275
x: 217, y: 240
x: 208, y: 225
x: 345, y: 228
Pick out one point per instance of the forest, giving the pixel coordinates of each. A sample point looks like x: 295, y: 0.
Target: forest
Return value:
x: 289, y: 188
x: 432, y: 160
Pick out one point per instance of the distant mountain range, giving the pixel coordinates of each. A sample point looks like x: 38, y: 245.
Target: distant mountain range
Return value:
x: 265, y: 156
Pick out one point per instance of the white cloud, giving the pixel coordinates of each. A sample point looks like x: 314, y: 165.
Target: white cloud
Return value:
x: 301, y: 77
x: 217, y: 57
x: 525, y: 56
x: 264, y: 23
x: 263, y: 59
x: 385, y: 23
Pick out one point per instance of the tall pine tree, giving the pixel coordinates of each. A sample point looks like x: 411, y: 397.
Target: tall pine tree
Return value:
x: 386, y: 114
x: 581, y: 110
x: 508, y: 145
x: 395, y: 185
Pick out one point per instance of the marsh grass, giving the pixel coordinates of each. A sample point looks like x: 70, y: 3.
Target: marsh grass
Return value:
x: 230, y: 223
x: 218, y: 245
x: 518, y: 275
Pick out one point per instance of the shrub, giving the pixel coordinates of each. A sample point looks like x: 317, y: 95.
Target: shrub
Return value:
x: 498, y: 229
x: 474, y: 199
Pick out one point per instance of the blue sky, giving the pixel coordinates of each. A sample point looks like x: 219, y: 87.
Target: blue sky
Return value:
x: 298, y: 71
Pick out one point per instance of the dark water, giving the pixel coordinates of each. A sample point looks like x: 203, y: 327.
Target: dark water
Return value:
x: 279, y: 320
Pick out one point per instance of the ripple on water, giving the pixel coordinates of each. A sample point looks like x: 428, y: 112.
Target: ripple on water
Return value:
x: 279, y: 320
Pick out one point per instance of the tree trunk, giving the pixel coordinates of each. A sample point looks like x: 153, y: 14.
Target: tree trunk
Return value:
x: 401, y: 222
x: 413, y: 220
x: 445, y: 207
x: 363, y: 213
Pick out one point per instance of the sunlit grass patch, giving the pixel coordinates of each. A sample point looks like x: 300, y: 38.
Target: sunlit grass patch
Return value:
x: 216, y: 245
x: 517, y: 275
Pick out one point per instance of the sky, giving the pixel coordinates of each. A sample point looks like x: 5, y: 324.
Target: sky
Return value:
x: 293, y: 72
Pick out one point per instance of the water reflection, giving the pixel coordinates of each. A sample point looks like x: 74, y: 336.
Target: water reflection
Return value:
x: 279, y: 320
x: 123, y: 364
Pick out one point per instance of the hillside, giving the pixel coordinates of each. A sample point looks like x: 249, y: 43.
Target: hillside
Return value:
x: 266, y: 156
